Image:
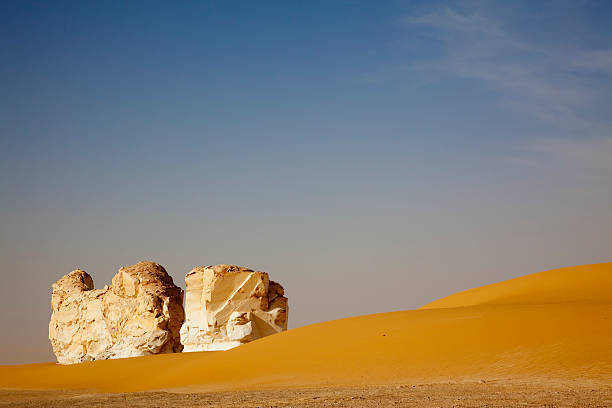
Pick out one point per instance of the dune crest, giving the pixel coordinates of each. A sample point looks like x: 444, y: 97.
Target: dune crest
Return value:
x: 575, y: 284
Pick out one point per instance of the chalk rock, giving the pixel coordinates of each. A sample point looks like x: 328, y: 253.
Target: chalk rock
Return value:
x: 228, y: 305
x: 141, y: 313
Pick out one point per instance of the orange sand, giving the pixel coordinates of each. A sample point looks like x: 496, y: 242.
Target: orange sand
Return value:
x: 554, y: 325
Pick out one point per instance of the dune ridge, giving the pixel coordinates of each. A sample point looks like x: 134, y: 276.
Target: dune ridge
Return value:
x: 575, y: 284
x: 554, y: 325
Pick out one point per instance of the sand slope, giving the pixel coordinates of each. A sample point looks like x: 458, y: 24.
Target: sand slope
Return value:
x: 555, y: 325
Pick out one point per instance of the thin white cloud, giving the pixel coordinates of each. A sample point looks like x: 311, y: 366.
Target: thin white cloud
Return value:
x: 479, y: 48
x: 544, y: 81
x: 446, y: 20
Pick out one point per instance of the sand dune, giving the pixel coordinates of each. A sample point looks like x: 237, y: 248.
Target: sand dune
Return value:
x: 554, y: 325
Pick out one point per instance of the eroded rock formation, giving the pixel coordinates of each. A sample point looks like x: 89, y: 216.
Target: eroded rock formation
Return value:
x: 227, y: 305
x: 141, y: 313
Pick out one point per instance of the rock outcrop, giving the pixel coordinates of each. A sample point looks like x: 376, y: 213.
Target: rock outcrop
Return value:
x: 141, y: 313
x: 227, y: 305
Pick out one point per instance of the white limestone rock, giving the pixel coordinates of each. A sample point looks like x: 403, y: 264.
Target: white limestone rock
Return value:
x: 228, y: 305
x: 139, y: 314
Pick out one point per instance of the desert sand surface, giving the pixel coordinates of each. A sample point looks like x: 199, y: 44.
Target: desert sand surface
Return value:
x: 405, y: 395
x: 546, y: 335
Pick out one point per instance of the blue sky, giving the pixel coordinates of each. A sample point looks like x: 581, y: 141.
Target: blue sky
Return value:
x: 371, y: 156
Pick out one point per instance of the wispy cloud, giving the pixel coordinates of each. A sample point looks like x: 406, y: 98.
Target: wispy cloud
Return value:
x: 524, y: 74
x: 548, y: 82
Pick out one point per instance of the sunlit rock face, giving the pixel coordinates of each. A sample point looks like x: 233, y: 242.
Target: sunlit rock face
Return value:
x: 228, y: 305
x: 141, y: 313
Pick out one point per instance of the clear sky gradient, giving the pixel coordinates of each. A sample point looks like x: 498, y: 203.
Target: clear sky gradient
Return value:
x: 371, y: 156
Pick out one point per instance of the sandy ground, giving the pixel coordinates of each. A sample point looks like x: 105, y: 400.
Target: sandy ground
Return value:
x: 406, y: 395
